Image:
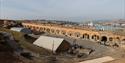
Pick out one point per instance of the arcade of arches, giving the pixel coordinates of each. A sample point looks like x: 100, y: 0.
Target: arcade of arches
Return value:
x: 76, y: 33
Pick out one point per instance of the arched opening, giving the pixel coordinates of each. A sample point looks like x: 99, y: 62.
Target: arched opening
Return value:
x: 118, y: 40
x: 63, y: 32
x: 33, y: 28
x: 70, y: 33
x: 104, y: 38
x: 86, y: 36
x: 57, y: 31
x: 110, y: 39
x: 48, y: 30
x: 37, y: 27
x: 123, y: 40
x: 92, y: 37
x: 52, y: 30
x: 27, y: 26
x: 83, y: 36
x: 41, y: 29
x: 77, y: 34
x: 44, y: 29
x: 95, y: 37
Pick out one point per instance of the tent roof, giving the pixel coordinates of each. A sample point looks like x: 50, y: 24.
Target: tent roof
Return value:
x: 16, y: 29
x: 50, y: 43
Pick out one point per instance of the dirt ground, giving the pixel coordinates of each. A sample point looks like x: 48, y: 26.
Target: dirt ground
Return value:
x: 99, y: 51
x: 122, y: 60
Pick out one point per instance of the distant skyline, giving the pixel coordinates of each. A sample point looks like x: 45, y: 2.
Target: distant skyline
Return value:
x: 71, y: 10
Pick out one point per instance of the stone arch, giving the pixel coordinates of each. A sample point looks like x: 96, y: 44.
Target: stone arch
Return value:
x: 34, y: 28
x: 117, y: 38
x: 123, y: 41
x: 63, y: 32
x: 41, y: 28
x: 52, y: 31
x: 85, y: 36
x: 70, y: 33
x: 95, y: 37
x: 38, y: 28
x: 27, y: 26
x: 48, y: 30
x: 44, y: 29
x: 57, y: 31
x: 30, y: 26
x: 104, y: 39
x: 77, y: 34
x: 110, y: 39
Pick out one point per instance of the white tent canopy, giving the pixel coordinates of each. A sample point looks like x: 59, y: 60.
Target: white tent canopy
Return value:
x: 21, y: 29
x: 50, y: 43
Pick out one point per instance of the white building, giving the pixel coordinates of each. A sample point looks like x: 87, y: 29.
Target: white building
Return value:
x: 20, y: 29
x: 90, y: 24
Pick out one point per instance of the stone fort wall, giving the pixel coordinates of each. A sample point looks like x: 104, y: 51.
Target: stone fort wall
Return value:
x: 86, y: 34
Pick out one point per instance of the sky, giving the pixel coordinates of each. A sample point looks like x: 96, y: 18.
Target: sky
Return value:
x: 71, y: 10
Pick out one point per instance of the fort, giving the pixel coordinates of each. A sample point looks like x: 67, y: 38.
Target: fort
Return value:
x: 77, y: 33
x: 83, y: 42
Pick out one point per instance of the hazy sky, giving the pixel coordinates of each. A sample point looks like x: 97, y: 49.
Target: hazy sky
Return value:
x: 62, y: 9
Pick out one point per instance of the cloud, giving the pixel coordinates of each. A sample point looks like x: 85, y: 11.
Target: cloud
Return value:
x: 61, y: 9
